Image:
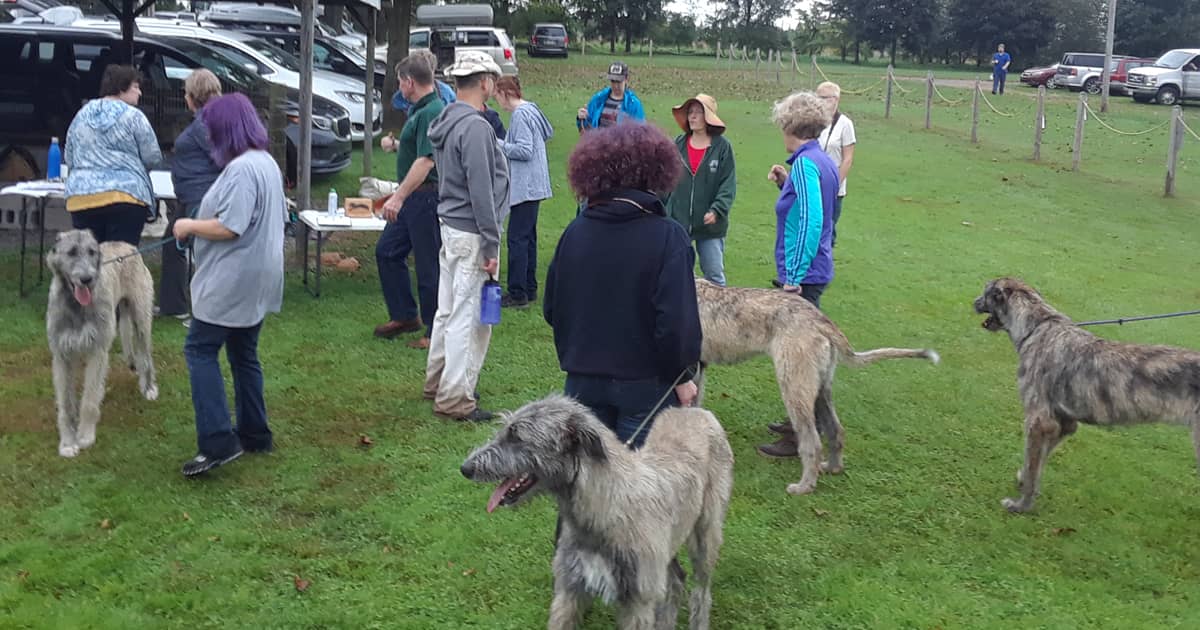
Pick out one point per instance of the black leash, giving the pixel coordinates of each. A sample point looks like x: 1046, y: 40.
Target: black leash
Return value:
x: 143, y: 248
x: 1122, y: 320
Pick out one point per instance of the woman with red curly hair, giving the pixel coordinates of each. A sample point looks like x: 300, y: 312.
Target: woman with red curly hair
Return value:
x: 620, y: 294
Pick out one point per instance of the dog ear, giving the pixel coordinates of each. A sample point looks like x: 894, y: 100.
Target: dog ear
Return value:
x: 582, y: 438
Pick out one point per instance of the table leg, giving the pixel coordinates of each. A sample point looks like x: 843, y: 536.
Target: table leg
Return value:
x: 303, y: 245
x: 41, y: 239
x: 320, y: 239
x: 21, y: 220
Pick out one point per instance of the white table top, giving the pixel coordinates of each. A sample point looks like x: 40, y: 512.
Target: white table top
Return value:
x: 312, y: 218
x: 160, y: 182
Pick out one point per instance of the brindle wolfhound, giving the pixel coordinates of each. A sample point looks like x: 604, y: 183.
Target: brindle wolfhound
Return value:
x: 624, y: 513
x: 1067, y: 375
x: 88, y: 301
x: 806, y: 348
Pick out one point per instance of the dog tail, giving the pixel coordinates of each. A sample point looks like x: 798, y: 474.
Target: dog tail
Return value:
x: 859, y: 359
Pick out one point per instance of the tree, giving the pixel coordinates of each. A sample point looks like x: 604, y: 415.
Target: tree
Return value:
x: 398, y: 18
x: 887, y: 25
x: 520, y: 23
x: 1026, y: 28
x: 1152, y: 27
x: 678, y: 30
x: 752, y: 22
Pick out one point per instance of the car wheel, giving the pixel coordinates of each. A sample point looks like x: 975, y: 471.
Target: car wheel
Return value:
x: 1092, y: 86
x: 1051, y: 84
x: 1167, y: 95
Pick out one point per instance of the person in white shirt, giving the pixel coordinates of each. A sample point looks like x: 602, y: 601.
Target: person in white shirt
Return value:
x: 838, y: 143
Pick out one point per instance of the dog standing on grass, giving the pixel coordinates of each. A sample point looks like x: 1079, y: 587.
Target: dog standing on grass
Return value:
x: 94, y: 289
x: 624, y: 513
x: 806, y: 348
x: 1067, y: 375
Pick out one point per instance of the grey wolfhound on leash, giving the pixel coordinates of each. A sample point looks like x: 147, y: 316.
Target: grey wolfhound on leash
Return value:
x: 624, y: 513
x: 806, y: 348
x: 1066, y: 375
x: 89, y: 300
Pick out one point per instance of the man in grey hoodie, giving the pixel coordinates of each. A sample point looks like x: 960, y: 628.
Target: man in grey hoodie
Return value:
x: 473, y: 192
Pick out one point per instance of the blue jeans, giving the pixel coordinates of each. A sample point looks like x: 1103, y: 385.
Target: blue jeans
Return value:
x: 837, y: 214
x: 998, y: 77
x: 215, y: 435
x: 711, y: 252
x: 522, y: 250
x: 621, y: 405
x: 415, y: 231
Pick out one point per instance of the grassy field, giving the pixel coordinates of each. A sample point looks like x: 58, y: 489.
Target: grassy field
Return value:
x: 330, y: 532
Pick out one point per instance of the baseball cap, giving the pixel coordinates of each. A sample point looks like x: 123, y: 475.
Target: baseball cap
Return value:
x: 618, y: 71
x: 473, y: 62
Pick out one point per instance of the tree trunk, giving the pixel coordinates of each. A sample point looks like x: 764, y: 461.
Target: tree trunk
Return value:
x: 843, y: 50
x: 857, y: 52
x: 893, y: 51
x: 612, y: 38
x: 628, y: 39
x: 398, y: 18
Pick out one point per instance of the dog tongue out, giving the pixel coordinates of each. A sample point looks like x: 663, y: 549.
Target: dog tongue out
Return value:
x: 501, y: 490
x: 83, y: 295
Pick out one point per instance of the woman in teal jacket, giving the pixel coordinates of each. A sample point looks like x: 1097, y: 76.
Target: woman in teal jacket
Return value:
x: 705, y: 193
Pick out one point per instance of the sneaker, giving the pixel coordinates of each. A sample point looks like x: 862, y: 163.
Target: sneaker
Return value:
x: 508, y: 301
x: 478, y: 415
x: 776, y: 283
x: 186, y: 321
x: 393, y: 328
x: 201, y: 463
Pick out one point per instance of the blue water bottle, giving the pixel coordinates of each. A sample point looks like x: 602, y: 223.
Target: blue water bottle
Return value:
x: 54, y: 161
x: 489, y: 304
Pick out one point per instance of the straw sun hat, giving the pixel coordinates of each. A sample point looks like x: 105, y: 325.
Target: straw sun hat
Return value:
x: 710, y: 112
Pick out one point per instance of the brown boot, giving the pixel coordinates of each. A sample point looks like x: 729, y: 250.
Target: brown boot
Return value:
x: 782, y: 428
x: 783, y: 447
x: 393, y: 328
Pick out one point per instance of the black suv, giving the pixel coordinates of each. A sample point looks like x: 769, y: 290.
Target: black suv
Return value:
x: 548, y: 39
x: 48, y: 72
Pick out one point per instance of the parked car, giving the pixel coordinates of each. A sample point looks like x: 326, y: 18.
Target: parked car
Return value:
x: 330, y: 55
x: 1081, y: 71
x: 449, y: 29
x: 548, y: 39
x: 1116, y: 83
x: 48, y: 72
x: 1033, y: 77
x: 268, y: 62
x: 239, y: 15
x: 1173, y: 77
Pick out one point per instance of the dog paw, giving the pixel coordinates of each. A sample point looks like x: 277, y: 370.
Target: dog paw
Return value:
x: 797, y: 489
x: 151, y: 393
x: 1020, y: 478
x: 833, y: 469
x: 85, y: 438
x: 68, y: 450
x: 1015, y: 506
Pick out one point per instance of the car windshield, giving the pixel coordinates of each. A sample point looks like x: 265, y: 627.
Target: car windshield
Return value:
x: 277, y: 55
x: 219, y: 64
x: 1173, y: 59
x: 354, y: 56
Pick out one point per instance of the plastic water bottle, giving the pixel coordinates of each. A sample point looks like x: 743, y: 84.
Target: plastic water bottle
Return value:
x: 54, y: 161
x: 332, y: 210
x: 489, y: 304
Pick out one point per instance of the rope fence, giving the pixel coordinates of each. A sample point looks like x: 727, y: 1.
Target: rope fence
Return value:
x: 1187, y: 128
x: 989, y: 104
x: 943, y: 97
x: 1109, y: 127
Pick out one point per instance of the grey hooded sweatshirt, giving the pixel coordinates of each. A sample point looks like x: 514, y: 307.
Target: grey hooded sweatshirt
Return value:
x: 473, y: 174
x: 525, y: 148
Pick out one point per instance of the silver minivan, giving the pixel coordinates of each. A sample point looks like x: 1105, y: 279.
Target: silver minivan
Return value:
x: 1082, y: 71
x: 1173, y: 77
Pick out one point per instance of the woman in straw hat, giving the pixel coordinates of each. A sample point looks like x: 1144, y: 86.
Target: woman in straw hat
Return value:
x: 707, y: 187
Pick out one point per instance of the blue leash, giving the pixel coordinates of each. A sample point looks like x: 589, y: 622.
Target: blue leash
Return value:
x: 179, y: 245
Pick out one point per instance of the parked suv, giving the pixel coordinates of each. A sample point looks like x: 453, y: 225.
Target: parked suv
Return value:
x: 1171, y: 78
x: 328, y: 54
x: 450, y: 29
x: 1081, y: 71
x: 1116, y: 83
x: 548, y: 39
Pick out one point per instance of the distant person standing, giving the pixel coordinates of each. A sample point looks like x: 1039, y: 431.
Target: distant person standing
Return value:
x: 837, y: 141
x: 613, y: 104
x: 1000, y: 62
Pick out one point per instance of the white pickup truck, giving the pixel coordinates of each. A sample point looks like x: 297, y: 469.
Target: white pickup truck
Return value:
x: 1173, y: 77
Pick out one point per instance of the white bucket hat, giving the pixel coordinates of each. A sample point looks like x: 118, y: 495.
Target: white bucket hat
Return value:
x: 473, y: 62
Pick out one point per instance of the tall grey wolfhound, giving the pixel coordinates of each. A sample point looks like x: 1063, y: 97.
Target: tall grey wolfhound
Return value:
x: 624, y: 513
x: 806, y: 348
x: 90, y: 298
x: 1067, y: 375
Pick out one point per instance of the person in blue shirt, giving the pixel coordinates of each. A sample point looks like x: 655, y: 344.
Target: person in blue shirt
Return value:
x: 611, y: 105
x: 1000, y: 62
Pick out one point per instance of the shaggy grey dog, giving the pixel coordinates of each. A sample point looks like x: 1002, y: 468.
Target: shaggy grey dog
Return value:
x: 1067, y: 375
x: 806, y: 348
x: 624, y: 513
x: 90, y: 297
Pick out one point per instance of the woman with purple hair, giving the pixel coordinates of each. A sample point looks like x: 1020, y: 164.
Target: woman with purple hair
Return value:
x: 238, y: 280
x: 620, y: 294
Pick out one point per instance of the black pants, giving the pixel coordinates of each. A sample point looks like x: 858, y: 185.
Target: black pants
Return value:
x: 622, y: 405
x: 812, y: 293
x: 173, y: 284
x: 114, y: 222
x: 522, y: 250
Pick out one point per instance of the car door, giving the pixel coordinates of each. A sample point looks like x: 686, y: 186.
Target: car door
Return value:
x: 1191, y: 78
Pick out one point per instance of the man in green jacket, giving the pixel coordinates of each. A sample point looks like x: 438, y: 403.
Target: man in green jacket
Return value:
x: 702, y: 199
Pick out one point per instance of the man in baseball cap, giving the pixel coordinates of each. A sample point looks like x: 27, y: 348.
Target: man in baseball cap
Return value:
x: 473, y: 193
x: 613, y: 104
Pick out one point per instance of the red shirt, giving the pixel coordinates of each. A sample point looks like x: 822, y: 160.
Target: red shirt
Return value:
x: 695, y: 156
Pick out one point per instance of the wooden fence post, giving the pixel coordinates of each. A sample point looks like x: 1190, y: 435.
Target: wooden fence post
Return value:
x: 718, y: 56
x: 928, y: 98
x: 1077, y: 145
x: 582, y: 45
x: 887, y: 103
x: 778, y: 62
x: 812, y: 79
x: 975, y: 114
x: 757, y: 61
x: 652, y: 49
x: 1039, y: 125
x: 795, y: 67
x: 1176, y: 143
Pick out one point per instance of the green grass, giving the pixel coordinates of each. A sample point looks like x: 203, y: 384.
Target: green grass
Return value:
x: 911, y: 536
